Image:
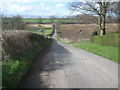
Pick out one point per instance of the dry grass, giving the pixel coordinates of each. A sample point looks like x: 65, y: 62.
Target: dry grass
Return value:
x: 69, y: 32
x: 43, y: 25
x: 111, y: 28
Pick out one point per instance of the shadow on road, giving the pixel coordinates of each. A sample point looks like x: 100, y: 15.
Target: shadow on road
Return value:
x: 51, y: 58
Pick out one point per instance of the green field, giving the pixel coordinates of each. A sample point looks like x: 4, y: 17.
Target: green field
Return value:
x: 48, y: 20
x: 30, y: 20
x: 46, y: 32
x: 108, y: 52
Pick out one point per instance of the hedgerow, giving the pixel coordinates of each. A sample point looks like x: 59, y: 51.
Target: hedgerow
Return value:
x: 20, y: 48
x: 112, y: 39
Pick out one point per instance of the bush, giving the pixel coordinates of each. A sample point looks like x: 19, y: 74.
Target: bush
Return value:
x: 94, y: 33
x: 106, y: 40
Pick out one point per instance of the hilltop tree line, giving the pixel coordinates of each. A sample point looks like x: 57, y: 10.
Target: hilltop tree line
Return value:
x: 77, y: 19
x: 87, y: 18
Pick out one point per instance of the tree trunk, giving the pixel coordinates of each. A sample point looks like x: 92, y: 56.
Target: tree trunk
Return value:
x: 100, y: 15
x: 104, y: 30
x: 100, y: 24
x: 104, y: 18
x: 101, y: 32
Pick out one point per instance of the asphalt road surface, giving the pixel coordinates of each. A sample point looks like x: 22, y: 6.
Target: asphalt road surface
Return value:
x: 64, y: 66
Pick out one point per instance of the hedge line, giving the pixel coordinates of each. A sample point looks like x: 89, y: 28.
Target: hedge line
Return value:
x: 106, y: 40
x: 20, y: 48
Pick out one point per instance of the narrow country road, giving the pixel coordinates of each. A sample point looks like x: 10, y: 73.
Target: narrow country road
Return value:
x: 64, y: 66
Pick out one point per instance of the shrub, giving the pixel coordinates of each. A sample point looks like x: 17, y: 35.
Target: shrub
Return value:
x: 94, y: 33
x: 106, y: 40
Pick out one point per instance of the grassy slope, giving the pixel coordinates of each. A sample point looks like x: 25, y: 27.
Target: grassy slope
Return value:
x: 104, y: 51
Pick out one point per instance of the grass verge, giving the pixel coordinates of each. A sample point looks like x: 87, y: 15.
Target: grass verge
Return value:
x: 108, y: 52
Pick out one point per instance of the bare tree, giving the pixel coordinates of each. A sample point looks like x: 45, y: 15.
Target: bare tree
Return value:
x: 52, y: 18
x: 86, y: 18
x: 14, y: 23
x: 40, y: 20
x: 96, y: 8
x: 112, y: 19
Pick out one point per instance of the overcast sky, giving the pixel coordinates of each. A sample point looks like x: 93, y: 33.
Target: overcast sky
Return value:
x: 35, y: 8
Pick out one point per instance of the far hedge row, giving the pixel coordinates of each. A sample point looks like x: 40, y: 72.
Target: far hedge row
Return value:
x: 106, y: 40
